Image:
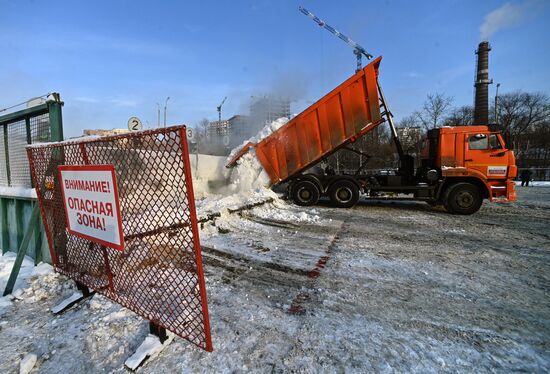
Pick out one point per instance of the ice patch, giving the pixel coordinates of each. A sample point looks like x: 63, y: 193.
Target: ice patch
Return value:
x: 27, y: 363
x: 150, y: 347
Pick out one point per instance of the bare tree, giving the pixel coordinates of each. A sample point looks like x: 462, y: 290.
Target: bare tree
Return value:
x: 434, y: 110
x: 461, y: 116
x: 409, y: 121
x: 522, y: 111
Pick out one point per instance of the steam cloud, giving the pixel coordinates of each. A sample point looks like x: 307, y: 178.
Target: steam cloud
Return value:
x: 506, y: 16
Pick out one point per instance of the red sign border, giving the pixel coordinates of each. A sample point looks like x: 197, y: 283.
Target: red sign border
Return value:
x: 110, y: 168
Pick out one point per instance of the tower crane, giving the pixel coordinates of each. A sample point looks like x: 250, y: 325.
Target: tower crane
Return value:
x: 219, y: 109
x: 358, y: 51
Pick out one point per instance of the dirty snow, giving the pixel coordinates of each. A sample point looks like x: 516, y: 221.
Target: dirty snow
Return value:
x: 27, y: 271
x: 400, y: 288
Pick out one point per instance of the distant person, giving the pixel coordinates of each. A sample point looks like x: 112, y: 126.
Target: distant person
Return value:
x: 525, y: 177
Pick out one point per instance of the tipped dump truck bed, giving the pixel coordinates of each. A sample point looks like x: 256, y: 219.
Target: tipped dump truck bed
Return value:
x: 338, y: 118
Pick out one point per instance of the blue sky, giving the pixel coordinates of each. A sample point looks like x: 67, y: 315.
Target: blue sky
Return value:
x: 111, y: 60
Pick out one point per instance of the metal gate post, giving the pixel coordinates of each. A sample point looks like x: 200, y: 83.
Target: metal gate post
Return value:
x: 4, y: 223
x: 56, y: 119
x: 158, y: 331
x: 33, y: 223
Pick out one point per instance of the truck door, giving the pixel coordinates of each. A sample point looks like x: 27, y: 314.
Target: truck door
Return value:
x: 485, y: 152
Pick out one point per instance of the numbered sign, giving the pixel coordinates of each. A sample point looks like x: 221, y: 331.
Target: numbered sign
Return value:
x: 190, y: 135
x: 134, y: 124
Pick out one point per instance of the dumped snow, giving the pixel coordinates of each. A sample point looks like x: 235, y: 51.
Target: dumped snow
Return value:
x: 27, y: 272
x: 269, y: 129
x: 219, y: 189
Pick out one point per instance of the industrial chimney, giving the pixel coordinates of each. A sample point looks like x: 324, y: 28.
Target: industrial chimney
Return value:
x: 481, y: 109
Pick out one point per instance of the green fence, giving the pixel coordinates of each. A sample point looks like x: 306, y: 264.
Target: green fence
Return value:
x: 41, y: 123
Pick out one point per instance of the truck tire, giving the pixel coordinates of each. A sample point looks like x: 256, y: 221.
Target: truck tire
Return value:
x: 344, y: 194
x: 462, y: 198
x: 304, y: 193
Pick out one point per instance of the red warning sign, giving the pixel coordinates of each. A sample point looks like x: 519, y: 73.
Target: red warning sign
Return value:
x: 92, y: 208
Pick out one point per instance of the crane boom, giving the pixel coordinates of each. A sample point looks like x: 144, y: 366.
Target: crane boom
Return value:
x: 219, y: 109
x: 357, y: 49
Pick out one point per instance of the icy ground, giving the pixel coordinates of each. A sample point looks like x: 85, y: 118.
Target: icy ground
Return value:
x: 382, y: 287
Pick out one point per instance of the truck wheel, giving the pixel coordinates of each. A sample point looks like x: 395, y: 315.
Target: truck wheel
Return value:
x: 344, y: 194
x: 462, y: 198
x: 304, y: 193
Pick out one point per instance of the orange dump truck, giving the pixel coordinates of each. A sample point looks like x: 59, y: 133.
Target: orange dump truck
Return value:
x: 460, y: 166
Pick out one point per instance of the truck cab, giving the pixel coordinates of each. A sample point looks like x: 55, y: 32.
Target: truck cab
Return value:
x: 467, y: 164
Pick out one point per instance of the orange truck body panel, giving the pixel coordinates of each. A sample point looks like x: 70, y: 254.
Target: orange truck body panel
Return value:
x: 338, y: 118
x: 495, y: 167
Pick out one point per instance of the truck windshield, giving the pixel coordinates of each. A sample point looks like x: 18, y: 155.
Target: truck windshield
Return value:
x: 484, y: 141
x: 478, y: 141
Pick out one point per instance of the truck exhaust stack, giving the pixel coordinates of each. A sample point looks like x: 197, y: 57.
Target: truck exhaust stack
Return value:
x: 481, y: 108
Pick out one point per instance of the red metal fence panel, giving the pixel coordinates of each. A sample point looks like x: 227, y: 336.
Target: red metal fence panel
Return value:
x: 157, y: 271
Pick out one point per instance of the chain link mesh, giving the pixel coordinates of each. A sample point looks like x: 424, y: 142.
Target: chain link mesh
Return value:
x: 14, y: 137
x: 159, y: 274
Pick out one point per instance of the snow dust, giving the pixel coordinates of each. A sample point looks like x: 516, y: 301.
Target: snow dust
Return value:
x: 247, y: 176
x: 219, y: 190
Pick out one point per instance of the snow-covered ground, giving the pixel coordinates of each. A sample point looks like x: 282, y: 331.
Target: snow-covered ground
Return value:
x: 28, y: 270
x: 385, y: 286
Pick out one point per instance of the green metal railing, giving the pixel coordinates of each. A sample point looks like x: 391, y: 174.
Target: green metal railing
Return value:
x: 41, y: 123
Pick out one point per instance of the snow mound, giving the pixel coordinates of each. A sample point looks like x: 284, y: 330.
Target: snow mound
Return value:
x: 27, y: 273
x: 247, y: 176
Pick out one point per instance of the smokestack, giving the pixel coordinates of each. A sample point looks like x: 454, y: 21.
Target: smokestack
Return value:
x: 481, y: 109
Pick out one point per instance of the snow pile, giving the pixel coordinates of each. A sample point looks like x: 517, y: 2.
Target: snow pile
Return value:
x: 247, y: 176
x: 27, y: 272
x: 219, y: 189
x: 279, y: 211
